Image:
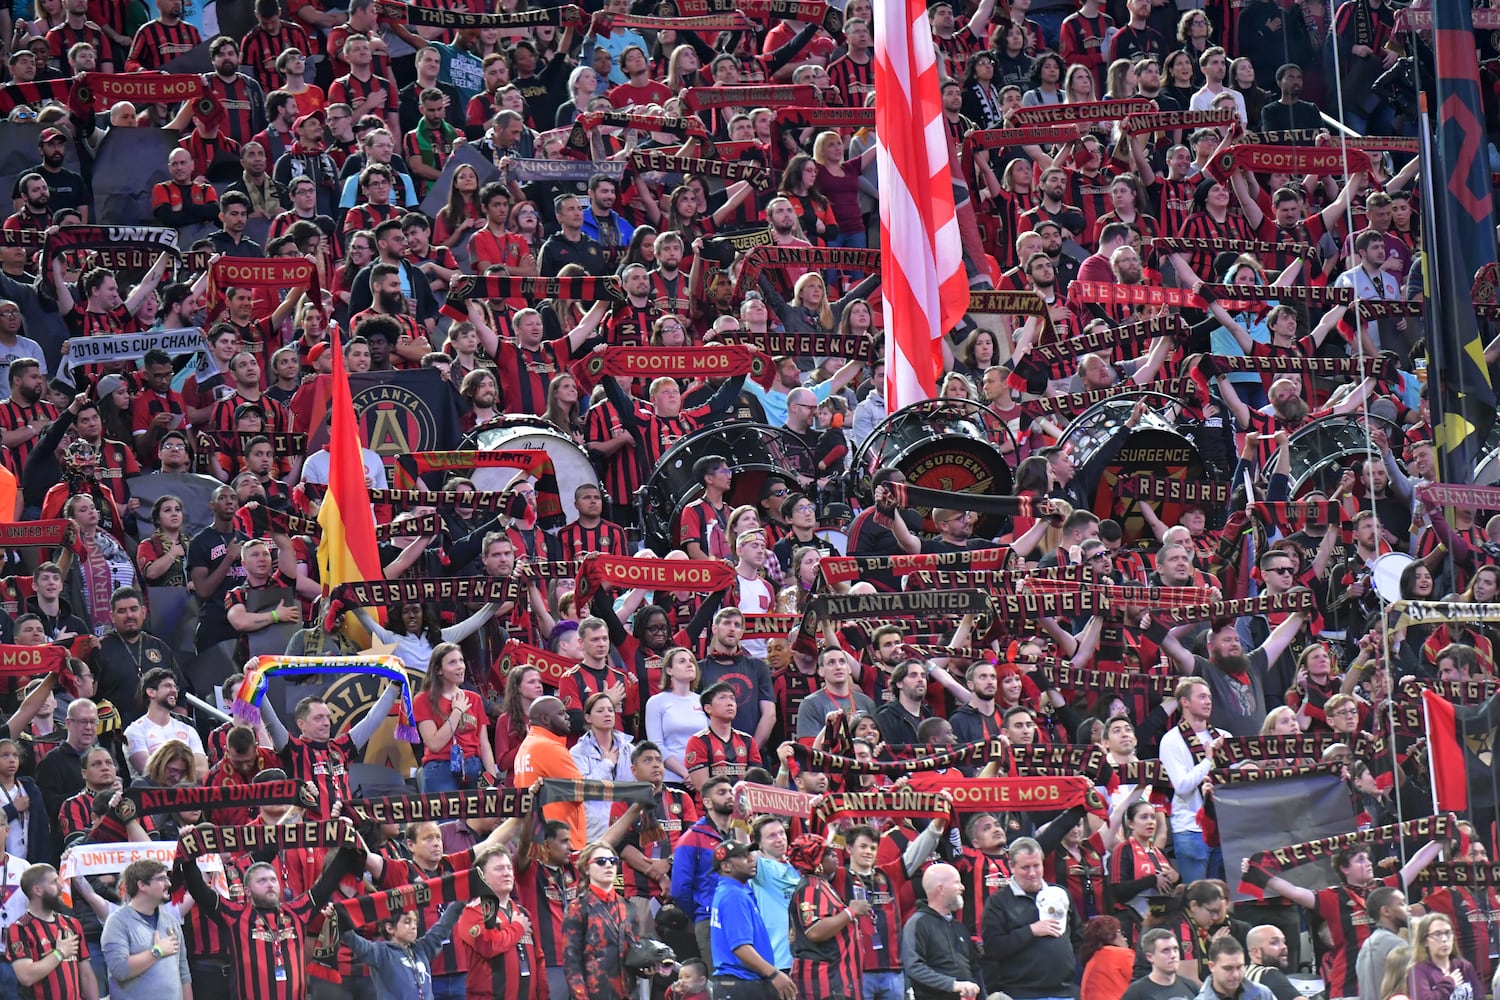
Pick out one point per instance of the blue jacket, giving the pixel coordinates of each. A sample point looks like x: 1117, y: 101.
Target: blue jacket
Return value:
x: 591, y: 226
x: 398, y: 973
x: 694, y: 875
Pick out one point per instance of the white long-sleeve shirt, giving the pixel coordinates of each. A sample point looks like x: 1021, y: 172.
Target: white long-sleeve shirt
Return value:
x: 1186, y: 773
x: 414, y: 650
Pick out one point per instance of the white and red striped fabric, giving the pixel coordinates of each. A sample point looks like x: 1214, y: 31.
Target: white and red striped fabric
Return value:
x: 923, y: 283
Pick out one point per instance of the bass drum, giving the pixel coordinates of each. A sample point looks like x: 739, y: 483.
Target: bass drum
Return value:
x: 570, y: 461
x: 1487, y: 473
x: 1322, y: 450
x: 753, y: 451
x: 940, y: 444
x: 1106, y: 450
x: 1386, y: 574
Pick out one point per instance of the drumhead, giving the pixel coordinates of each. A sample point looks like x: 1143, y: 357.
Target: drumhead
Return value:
x: 570, y: 462
x: 753, y: 451
x: 940, y: 444
x: 1107, y: 451
x: 1386, y: 574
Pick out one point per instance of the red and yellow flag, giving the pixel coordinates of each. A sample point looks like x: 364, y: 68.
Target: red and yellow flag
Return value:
x: 348, y: 551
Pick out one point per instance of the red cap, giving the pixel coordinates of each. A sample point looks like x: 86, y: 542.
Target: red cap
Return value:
x: 52, y: 134
x: 316, y: 352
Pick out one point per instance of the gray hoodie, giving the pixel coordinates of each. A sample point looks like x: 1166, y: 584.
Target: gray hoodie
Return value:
x: 404, y: 973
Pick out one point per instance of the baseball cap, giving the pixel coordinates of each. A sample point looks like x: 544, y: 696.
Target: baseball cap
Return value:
x: 319, y: 115
x: 179, y: 435
x: 728, y: 849
x: 316, y: 352
x: 52, y: 135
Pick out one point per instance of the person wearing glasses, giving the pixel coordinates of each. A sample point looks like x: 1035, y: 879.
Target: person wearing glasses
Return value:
x: 60, y: 774
x: 597, y: 931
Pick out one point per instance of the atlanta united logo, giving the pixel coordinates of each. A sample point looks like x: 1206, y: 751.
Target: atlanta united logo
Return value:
x: 395, y: 420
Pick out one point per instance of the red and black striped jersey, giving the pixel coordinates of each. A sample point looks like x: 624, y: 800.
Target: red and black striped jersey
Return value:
x: 259, y: 50
x: 673, y: 814
x: 1309, y: 231
x: 326, y: 765
x: 1091, y: 195
x: 982, y: 875
x: 14, y: 415
x: 827, y: 968
x: 204, y: 936
x: 1342, y: 908
x: 698, y: 518
x: 221, y: 417
x: 1473, y: 917
x: 723, y: 757
x: 619, y: 473
x: 110, y: 14
x: 1081, y: 40
x: 209, y: 151
x: 32, y: 937
x: 581, y: 683
x: 63, y: 37
x: 606, y: 537
x: 524, y: 375
x: 853, y: 79
x: 629, y: 325
x: 501, y: 955
x: 957, y: 49
x: 368, y: 216
x: 156, y: 44
x: 350, y: 89
x: 267, y: 946
x: 545, y: 892
x: 243, y: 103
x: 1174, y: 202
x: 76, y: 815
x: 1201, y: 225
x: 84, y: 323
x: 670, y: 297
x: 880, y: 929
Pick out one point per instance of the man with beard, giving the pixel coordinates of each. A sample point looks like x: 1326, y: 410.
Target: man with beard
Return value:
x: 693, y: 863
x: 815, y: 455
x: 899, y: 718
x: 482, y: 394
x: 1053, y: 188
x: 65, y: 189
x: 242, y: 760
x: 544, y: 754
x: 1041, y: 273
x: 158, y: 42
x: 126, y: 650
x: 1387, y: 912
x: 1267, y: 953
x: 775, y: 399
x: 390, y: 243
x: 1288, y: 410
x: 884, y: 529
x: 242, y: 99
x: 158, y: 692
x: 669, y: 286
x: 266, y: 930
x: 786, y: 231
x: 956, y: 532
x: 230, y: 240
x: 1370, y: 279
x: 1238, y: 681
x: 35, y: 213
x: 389, y: 300
x: 600, y: 221
x: 267, y: 198
x: 26, y: 415
x: 309, y: 158
x: 46, y: 947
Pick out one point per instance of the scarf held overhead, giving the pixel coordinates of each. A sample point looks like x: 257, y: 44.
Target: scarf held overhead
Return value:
x: 698, y: 576
x: 468, y: 803
x: 679, y: 362
x: 1264, y: 865
x: 260, y: 670
x: 205, y: 839
x: 1042, y: 793
x: 414, y: 897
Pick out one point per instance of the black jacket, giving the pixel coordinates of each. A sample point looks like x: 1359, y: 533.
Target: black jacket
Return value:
x: 936, y: 952
x: 1015, y: 960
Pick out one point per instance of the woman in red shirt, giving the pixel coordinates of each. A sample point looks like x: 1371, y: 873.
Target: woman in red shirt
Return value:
x: 453, y: 725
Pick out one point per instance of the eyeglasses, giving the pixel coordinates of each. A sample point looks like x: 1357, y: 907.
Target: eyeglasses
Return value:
x: 803, y: 508
x: 605, y: 861
x: 84, y: 722
x: 1440, y: 935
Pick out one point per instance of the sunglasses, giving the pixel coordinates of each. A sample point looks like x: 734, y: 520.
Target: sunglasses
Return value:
x: 603, y: 861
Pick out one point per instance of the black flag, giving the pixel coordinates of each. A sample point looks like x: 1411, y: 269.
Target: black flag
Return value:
x: 1458, y: 239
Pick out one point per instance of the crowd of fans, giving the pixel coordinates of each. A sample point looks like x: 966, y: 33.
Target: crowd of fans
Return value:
x: 328, y: 127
